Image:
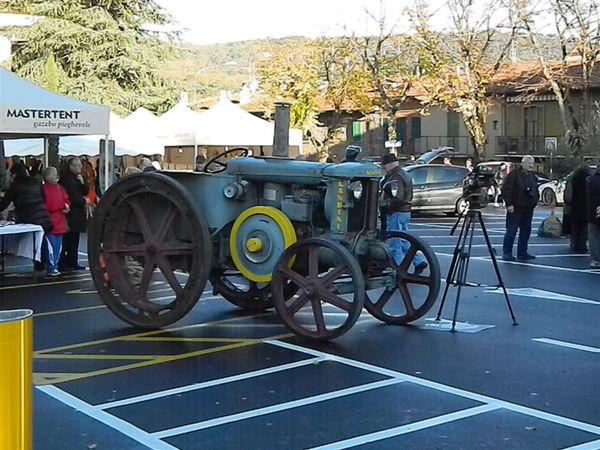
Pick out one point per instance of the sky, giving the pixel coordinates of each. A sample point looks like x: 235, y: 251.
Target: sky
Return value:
x: 220, y: 21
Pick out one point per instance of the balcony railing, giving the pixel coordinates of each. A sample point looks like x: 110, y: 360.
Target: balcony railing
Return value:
x: 522, y: 145
x: 461, y: 144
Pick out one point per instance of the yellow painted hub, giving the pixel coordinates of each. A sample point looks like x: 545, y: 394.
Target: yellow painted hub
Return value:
x: 254, y: 245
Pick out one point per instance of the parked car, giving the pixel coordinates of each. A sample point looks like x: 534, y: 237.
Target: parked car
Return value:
x: 429, y: 156
x: 438, y: 187
x: 552, y: 193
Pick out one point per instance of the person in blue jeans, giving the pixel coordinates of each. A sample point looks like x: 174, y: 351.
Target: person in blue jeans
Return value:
x: 398, y: 192
x: 520, y: 195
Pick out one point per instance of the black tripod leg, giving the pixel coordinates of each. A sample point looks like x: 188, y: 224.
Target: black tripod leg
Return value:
x: 496, y: 268
x: 464, y: 266
x: 450, y: 278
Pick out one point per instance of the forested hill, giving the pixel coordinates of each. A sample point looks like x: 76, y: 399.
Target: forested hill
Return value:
x: 204, y: 70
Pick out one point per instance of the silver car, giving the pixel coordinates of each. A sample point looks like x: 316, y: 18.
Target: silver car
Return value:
x: 438, y: 187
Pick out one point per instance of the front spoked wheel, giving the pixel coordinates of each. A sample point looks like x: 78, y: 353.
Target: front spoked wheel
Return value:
x: 409, y: 295
x: 328, y: 289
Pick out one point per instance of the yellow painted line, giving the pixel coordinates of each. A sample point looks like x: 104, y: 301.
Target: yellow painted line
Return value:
x: 191, y: 339
x: 152, y: 362
x: 146, y: 333
x: 65, y: 311
x: 23, y: 286
x: 63, y: 377
x: 99, y: 357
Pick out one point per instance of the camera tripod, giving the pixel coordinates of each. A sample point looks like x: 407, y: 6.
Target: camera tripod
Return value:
x: 457, y: 274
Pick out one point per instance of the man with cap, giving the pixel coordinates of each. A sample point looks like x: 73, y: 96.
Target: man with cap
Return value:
x: 397, y: 198
x: 352, y: 152
x: 520, y: 195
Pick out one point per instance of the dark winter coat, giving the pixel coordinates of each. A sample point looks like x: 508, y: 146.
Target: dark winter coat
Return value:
x: 76, y: 191
x: 26, y: 194
x: 576, y: 195
x: 402, y: 202
x: 593, y: 197
x: 519, y: 189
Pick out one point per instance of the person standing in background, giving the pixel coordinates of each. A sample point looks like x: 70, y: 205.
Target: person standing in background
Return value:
x: 77, y: 190
x: 469, y: 165
x: 520, y: 194
x: 576, y: 199
x: 593, y: 209
x: 57, y: 202
x: 395, y: 214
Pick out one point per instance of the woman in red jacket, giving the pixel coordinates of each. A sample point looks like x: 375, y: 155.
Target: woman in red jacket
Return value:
x: 57, y: 202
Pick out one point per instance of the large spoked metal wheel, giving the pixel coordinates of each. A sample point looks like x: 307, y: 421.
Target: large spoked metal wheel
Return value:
x: 149, y: 250
x: 240, y: 291
x: 409, y: 295
x: 327, y: 289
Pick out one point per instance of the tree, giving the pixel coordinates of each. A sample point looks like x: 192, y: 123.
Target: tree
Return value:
x: 458, y: 67
x: 389, y: 64
x: 101, y: 51
x: 577, y: 26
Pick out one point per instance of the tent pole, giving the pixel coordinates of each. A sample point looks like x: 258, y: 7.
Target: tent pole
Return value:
x: 106, y: 168
x: 46, y: 151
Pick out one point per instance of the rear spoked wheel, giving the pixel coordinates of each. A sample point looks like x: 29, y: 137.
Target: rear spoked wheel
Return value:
x: 149, y: 250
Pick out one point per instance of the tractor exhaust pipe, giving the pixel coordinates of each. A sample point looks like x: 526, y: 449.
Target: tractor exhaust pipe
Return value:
x: 281, y: 138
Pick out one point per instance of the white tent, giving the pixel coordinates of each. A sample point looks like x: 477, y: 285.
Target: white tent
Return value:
x: 138, y: 132
x: 226, y: 124
x: 28, y: 110
x: 177, y: 126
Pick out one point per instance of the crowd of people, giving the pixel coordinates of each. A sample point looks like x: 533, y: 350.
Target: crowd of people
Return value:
x: 60, y: 205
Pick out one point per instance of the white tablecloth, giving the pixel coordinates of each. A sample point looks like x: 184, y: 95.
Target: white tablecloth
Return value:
x: 18, y: 239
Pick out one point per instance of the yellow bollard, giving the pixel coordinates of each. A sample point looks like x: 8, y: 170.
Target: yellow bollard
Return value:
x: 16, y: 342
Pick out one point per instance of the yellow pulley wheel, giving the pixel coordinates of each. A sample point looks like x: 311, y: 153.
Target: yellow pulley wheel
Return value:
x: 258, y: 238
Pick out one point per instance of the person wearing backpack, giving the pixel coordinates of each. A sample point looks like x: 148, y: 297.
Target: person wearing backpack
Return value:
x: 593, y: 210
x: 576, y: 199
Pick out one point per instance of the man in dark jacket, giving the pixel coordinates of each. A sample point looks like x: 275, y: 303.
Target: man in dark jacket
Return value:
x: 395, y: 210
x: 77, y: 189
x: 520, y: 195
x: 593, y: 198
x: 576, y: 199
x: 351, y: 153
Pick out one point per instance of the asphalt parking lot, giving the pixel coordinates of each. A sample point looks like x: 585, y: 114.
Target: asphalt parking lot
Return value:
x: 225, y: 379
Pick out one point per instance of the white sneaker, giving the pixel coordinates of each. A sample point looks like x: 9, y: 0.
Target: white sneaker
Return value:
x: 54, y: 273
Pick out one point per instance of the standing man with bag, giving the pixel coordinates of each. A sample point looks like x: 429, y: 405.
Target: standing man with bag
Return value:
x: 398, y: 193
x: 593, y: 196
x: 576, y: 199
x: 520, y: 194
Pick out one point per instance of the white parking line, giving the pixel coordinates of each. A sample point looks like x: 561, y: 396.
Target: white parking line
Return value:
x: 409, y: 428
x: 592, y: 445
x: 211, y: 383
x: 537, y: 266
x: 120, y: 425
x: 565, y: 421
x: 275, y: 408
x: 585, y: 348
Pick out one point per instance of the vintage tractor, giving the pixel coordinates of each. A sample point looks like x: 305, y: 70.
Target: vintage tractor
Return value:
x: 266, y: 231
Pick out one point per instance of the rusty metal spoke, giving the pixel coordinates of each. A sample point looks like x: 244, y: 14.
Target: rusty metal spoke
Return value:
x: 335, y: 300
x: 407, y: 299
x: 318, y: 315
x: 178, y: 249
x: 415, y: 279
x: 164, y: 227
x: 333, y: 275
x: 127, y: 250
x: 165, y: 267
x: 297, y: 304
x: 408, y: 257
x: 383, y: 299
x: 142, y: 220
x: 313, y: 262
x: 146, y: 277
x: 294, y: 276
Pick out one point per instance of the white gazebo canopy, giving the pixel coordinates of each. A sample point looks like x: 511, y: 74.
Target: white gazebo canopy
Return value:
x: 177, y: 126
x: 227, y: 125
x: 28, y: 110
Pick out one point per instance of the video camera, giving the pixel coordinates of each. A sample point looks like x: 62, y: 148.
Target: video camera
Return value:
x: 477, y: 185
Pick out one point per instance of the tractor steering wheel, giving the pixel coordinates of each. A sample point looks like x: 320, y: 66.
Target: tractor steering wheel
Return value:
x: 222, y: 165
